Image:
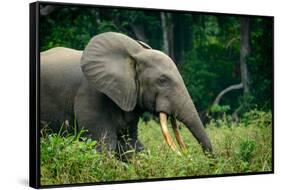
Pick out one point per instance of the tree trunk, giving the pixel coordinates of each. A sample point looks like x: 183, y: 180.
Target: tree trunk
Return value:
x: 182, y: 37
x: 171, y: 36
x: 244, y: 52
x: 168, y: 34
x: 165, y: 33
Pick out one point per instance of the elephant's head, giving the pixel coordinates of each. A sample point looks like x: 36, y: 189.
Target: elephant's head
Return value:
x: 132, y: 74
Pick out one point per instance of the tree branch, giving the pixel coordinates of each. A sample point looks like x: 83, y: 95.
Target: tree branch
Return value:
x: 226, y: 90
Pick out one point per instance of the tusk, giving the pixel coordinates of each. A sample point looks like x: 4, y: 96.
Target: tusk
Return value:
x: 165, y: 132
x: 177, y: 133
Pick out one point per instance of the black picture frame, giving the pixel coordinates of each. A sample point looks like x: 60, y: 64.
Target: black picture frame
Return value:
x: 34, y: 98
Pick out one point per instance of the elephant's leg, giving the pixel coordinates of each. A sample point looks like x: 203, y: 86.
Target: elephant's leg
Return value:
x: 107, y: 142
x: 135, y: 142
x: 92, y: 115
x: 132, y: 126
x: 99, y: 129
x: 128, y: 142
x: 103, y: 132
x: 124, y: 149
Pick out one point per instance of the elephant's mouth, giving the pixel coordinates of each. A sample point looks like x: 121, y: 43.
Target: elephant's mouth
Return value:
x: 166, y: 134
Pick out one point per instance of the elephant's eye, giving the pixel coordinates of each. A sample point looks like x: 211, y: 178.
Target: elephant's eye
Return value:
x: 163, y: 81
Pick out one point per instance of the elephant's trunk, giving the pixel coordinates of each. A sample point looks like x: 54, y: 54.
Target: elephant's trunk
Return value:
x: 189, y: 116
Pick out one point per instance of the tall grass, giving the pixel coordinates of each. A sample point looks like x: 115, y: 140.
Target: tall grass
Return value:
x: 238, y: 147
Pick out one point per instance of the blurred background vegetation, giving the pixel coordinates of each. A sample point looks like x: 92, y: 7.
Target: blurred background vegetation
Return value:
x: 226, y: 61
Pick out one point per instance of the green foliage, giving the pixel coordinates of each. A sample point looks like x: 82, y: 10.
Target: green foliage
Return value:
x: 257, y: 118
x: 68, y: 27
x: 260, y: 62
x: 207, y: 71
x: 63, y: 159
x: 246, y: 150
x: 238, y: 147
x: 219, y: 108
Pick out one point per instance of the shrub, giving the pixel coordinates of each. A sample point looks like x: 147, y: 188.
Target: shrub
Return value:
x: 238, y: 147
x: 246, y: 149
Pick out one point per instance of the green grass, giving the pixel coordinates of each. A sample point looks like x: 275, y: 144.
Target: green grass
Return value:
x: 238, y: 147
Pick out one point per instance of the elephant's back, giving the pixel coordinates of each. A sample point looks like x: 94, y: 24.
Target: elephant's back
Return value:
x: 60, y: 66
x: 61, y: 51
x: 60, y: 78
x: 60, y: 58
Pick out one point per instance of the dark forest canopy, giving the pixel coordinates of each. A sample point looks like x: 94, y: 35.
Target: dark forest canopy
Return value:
x: 212, y: 52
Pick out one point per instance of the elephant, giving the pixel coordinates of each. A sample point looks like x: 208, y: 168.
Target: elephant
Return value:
x: 109, y: 85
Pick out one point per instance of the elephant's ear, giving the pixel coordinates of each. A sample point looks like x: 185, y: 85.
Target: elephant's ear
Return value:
x: 109, y: 66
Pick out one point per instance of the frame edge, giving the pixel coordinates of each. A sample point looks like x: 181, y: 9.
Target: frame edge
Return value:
x: 34, y: 161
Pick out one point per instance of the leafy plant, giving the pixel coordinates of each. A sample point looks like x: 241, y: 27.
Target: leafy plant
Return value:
x: 238, y: 147
x: 219, y: 108
x: 246, y: 150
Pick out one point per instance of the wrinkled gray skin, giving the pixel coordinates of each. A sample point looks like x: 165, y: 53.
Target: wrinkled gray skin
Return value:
x: 116, y: 80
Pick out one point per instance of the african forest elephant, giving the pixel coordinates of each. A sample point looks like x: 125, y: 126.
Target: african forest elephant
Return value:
x: 110, y: 84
